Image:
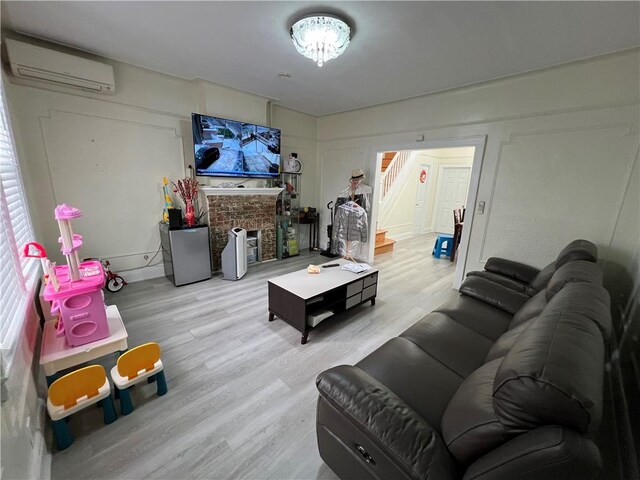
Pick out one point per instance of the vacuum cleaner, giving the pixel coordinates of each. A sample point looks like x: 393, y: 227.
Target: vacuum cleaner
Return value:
x: 327, y: 252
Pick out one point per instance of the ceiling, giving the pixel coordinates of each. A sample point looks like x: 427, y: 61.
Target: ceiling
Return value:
x: 398, y: 50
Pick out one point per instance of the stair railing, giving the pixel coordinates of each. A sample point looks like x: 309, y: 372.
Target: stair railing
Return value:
x: 391, y: 174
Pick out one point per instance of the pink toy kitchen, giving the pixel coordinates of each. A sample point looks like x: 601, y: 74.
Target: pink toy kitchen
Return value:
x: 75, y: 289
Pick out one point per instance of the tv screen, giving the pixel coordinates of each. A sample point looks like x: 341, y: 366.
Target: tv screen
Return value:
x: 227, y: 148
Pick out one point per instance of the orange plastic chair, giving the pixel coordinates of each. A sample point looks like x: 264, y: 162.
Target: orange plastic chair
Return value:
x: 134, y: 366
x: 74, y: 392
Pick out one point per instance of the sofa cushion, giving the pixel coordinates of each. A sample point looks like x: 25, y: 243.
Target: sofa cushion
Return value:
x: 420, y: 380
x: 484, y: 319
x: 577, y: 250
x: 541, y: 280
x: 456, y: 346
x: 549, y: 452
x: 590, y: 301
x: 470, y: 427
x: 553, y: 374
x: 505, y: 342
x: 574, y: 272
x: 529, y: 310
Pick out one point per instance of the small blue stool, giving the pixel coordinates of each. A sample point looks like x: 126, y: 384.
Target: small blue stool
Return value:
x: 439, y: 248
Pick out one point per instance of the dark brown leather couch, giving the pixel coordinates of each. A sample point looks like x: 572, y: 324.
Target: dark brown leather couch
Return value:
x: 499, y: 383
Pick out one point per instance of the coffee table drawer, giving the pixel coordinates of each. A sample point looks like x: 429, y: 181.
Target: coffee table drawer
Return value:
x: 369, y: 292
x: 370, y: 279
x: 354, y: 288
x: 352, y: 301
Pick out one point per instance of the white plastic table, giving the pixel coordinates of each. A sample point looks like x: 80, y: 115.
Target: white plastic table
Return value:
x: 56, y: 355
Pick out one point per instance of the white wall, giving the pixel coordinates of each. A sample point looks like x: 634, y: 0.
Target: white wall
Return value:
x: 559, y: 151
x: 299, y: 132
x: 622, y: 264
x: 399, y: 218
x: 107, y: 154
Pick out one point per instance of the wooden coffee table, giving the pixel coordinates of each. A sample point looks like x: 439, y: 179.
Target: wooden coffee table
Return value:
x: 302, y: 299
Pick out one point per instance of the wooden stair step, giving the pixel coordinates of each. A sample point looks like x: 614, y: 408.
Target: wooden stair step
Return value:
x: 380, y: 235
x: 384, y: 247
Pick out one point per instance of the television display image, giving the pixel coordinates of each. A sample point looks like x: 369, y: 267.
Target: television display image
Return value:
x: 234, y: 149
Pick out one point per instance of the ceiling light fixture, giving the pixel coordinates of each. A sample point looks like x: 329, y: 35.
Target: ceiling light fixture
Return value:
x: 320, y: 37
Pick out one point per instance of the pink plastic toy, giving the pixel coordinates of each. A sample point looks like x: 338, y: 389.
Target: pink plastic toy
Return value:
x: 79, y: 297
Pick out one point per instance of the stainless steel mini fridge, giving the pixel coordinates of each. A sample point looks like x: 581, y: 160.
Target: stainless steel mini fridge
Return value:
x: 186, y: 253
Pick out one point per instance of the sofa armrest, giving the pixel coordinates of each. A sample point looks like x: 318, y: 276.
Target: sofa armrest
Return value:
x: 491, y: 293
x: 395, y: 428
x: 546, y: 452
x: 518, y: 271
x: 508, y: 282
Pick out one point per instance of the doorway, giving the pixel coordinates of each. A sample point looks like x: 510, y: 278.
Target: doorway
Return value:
x: 442, y: 176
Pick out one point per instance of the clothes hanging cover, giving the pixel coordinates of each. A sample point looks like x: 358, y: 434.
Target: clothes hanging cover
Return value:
x: 351, y: 222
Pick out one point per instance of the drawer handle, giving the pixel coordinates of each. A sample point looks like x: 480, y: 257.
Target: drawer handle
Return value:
x: 363, y: 453
x: 80, y: 316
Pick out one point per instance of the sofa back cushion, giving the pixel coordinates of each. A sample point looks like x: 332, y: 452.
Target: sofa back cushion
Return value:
x: 541, y: 280
x: 578, y: 272
x: 576, y: 250
x: 549, y: 372
x: 552, y: 375
x: 588, y: 300
x: 531, y: 309
x: 469, y: 426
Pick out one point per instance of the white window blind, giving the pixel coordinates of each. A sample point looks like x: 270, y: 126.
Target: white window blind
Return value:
x: 17, y: 274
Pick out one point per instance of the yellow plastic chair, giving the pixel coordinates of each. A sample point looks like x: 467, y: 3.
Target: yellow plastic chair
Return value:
x: 134, y: 366
x: 73, y: 392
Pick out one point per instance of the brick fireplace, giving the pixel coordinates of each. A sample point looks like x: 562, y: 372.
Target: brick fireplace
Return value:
x: 248, y: 208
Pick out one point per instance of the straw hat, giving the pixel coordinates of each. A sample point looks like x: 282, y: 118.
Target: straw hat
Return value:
x: 357, y: 174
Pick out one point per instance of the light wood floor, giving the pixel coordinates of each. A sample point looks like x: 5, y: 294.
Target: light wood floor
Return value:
x: 242, y: 396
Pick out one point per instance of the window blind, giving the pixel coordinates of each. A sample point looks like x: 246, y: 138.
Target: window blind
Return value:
x: 17, y: 274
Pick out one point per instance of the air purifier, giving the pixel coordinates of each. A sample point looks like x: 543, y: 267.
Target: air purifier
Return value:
x: 234, y: 255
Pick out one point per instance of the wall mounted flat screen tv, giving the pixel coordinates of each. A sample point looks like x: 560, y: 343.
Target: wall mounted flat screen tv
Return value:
x: 227, y: 148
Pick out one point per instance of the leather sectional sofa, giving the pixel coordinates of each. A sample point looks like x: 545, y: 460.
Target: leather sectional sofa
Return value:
x: 505, y: 381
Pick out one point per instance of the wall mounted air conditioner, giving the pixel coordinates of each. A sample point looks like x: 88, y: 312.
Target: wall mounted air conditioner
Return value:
x: 37, y: 63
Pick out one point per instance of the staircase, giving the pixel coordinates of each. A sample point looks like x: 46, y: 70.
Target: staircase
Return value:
x: 394, y: 174
x: 383, y: 244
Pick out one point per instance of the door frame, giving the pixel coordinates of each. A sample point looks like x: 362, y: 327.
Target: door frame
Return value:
x: 375, y: 164
x: 436, y: 203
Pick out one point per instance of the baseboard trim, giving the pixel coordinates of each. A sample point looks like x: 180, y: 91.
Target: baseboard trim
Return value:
x: 145, y: 273
x: 402, y: 236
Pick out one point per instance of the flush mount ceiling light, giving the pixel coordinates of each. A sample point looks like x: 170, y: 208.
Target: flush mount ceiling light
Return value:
x: 320, y: 37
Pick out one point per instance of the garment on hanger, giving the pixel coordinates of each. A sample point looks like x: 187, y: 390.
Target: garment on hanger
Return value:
x: 351, y: 221
x: 351, y: 229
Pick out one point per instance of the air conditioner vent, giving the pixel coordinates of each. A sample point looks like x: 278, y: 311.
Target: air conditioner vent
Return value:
x: 37, y: 63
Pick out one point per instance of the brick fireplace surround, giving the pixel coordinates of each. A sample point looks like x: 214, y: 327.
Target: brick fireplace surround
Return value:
x: 251, y: 212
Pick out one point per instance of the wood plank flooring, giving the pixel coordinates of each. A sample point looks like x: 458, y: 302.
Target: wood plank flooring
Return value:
x: 242, y: 396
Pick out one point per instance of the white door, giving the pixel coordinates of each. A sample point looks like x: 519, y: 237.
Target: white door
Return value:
x: 453, y: 185
x: 420, y: 214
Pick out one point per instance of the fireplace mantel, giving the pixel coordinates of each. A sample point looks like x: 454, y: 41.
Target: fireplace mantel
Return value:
x: 210, y: 191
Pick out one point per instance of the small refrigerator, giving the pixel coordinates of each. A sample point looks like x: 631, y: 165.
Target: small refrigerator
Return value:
x: 186, y: 253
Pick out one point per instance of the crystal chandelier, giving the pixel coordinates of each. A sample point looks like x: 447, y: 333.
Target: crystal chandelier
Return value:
x: 320, y: 37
